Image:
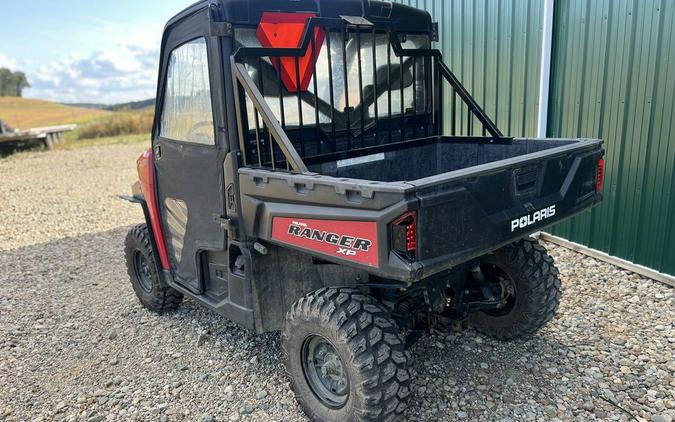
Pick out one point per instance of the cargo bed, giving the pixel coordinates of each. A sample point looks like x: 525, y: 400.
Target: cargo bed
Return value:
x: 470, y: 197
x: 431, y: 157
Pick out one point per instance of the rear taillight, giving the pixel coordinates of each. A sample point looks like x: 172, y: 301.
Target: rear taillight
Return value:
x: 600, y: 176
x: 404, y: 234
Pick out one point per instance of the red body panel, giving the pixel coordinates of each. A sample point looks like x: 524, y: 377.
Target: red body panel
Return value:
x: 146, y: 175
x: 352, y: 240
x: 285, y: 30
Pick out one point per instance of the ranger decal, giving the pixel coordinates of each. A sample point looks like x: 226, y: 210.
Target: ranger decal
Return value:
x: 352, y: 240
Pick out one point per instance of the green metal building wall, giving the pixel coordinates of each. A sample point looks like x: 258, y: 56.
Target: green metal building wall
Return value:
x: 612, y: 77
x: 494, y: 48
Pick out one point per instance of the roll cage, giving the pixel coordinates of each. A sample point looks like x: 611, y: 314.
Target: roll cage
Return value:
x: 271, y: 143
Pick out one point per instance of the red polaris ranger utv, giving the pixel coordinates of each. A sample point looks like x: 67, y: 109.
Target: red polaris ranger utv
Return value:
x: 317, y: 169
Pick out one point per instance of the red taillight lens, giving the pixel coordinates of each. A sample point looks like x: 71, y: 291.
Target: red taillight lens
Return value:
x: 601, y: 175
x: 404, y: 233
x: 411, y: 237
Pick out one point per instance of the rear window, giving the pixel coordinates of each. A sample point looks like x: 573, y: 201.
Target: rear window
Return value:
x: 187, y: 115
x: 391, y: 99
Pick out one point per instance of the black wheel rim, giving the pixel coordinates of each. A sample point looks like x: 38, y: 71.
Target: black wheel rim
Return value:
x: 142, y: 270
x: 507, y: 287
x: 325, y: 372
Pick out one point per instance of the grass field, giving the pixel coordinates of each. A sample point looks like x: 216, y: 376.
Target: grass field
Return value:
x: 24, y: 113
x: 125, y: 122
x: 109, y: 140
x: 95, y: 127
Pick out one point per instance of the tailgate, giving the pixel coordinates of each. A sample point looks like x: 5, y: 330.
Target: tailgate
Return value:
x: 470, y: 212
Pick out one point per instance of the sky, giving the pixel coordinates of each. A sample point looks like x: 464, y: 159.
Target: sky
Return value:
x: 86, y: 51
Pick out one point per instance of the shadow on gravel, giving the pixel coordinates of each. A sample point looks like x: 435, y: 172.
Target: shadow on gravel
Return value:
x: 73, y: 339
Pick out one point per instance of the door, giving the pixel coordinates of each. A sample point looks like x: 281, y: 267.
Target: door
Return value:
x: 189, y: 150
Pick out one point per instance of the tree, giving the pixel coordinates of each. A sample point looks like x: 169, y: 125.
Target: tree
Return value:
x: 20, y: 83
x: 5, y: 77
x: 12, y: 84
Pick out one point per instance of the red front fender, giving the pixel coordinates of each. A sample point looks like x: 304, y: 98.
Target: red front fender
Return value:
x: 146, y: 175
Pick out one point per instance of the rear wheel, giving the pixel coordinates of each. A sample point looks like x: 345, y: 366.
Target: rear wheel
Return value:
x: 345, y: 357
x: 529, y: 282
x: 150, y: 289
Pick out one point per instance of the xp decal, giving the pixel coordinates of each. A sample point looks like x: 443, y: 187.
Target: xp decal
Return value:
x: 535, y: 217
x: 352, y: 240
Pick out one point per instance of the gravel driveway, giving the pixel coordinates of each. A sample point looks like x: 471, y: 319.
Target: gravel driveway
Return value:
x: 76, y: 345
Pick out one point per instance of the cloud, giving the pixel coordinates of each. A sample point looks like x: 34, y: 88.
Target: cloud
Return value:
x: 8, y: 62
x: 125, y: 72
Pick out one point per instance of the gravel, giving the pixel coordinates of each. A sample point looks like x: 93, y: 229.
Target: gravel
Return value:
x: 47, y: 196
x: 76, y: 345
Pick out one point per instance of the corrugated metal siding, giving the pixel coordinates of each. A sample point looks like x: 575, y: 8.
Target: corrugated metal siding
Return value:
x: 494, y: 48
x: 614, y: 78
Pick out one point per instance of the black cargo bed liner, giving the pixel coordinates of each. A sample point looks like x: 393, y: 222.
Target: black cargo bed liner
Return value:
x: 432, y: 158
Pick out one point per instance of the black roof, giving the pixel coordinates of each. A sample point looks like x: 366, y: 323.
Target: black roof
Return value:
x: 247, y: 12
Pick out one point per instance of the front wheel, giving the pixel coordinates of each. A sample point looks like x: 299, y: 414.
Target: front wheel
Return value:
x: 345, y: 357
x: 529, y: 282
x: 150, y: 289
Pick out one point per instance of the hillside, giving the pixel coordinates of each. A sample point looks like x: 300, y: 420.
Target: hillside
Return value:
x: 133, y: 105
x: 27, y: 113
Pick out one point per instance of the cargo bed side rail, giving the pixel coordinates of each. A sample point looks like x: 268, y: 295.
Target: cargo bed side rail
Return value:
x: 274, y: 142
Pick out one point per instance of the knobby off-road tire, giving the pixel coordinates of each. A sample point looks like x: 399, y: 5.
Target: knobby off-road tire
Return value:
x: 360, y: 330
x: 536, y: 282
x: 151, y: 290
